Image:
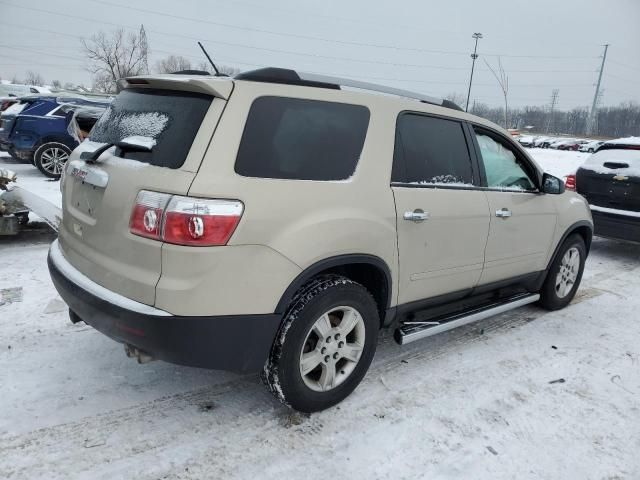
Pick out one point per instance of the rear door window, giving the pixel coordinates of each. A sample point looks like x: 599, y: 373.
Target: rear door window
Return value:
x: 431, y: 151
x: 170, y: 118
x: 292, y: 138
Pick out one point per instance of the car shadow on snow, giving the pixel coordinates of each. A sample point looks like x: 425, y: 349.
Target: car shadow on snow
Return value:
x: 615, y: 250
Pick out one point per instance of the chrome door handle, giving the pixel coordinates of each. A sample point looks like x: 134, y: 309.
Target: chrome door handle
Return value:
x: 503, y: 213
x: 416, y: 216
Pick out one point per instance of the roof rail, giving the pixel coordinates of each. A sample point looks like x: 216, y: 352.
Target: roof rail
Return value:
x: 291, y: 77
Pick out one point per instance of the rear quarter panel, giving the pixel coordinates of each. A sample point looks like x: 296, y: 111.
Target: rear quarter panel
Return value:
x: 307, y: 221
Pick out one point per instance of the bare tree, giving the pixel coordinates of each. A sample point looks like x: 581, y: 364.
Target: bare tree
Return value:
x: 34, y: 78
x: 116, y: 56
x: 503, y: 81
x: 173, y: 63
x: 57, y: 84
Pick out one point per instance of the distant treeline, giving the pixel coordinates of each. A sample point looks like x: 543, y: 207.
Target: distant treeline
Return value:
x: 620, y: 121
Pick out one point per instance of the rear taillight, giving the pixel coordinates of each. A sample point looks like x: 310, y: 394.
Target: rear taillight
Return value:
x: 184, y: 220
x: 570, y: 182
x: 196, y: 221
x: 147, y: 215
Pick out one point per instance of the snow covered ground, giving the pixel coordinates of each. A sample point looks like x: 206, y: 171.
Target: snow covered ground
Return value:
x: 527, y: 394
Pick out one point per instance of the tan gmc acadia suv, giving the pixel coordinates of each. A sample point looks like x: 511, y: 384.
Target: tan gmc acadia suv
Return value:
x: 276, y: 221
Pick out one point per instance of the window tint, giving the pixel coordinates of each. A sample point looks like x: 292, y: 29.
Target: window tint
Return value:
x: 502, y: 166
x: 302, y: 139
x: 431, y: 150
x: 171, y: 118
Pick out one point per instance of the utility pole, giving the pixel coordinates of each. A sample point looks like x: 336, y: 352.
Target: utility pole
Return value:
x: 554, y: 101
x: 474, y: 55
x: 594, y: 106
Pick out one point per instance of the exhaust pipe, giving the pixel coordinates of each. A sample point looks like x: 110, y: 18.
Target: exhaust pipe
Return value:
x: 140, y: 355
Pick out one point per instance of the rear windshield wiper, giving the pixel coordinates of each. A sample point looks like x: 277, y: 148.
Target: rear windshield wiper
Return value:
x: 128, y: 144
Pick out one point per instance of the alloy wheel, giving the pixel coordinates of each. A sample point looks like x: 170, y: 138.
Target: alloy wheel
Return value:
x: 332, y: 348
x: 53, y: 160
x: 569, y: 268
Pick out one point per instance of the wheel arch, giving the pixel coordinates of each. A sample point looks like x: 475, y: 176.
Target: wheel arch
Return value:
x: 582, y: 228
x: 369, y: 270
x: 64, y: 140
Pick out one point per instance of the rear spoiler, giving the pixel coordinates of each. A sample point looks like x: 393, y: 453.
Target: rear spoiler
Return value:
x: 220, y: 87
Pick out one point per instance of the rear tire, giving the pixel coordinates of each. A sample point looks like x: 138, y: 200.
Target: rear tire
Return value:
x: 563, y: 278
x: 325, y: 344
x: 51, y: 157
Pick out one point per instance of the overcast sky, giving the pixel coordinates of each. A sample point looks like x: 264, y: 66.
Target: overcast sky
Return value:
x: 412, y: 44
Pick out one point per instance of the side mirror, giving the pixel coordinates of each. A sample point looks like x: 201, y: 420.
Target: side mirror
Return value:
x: 552, y: 185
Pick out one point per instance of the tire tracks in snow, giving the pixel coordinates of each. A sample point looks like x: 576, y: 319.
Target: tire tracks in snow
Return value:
x: 236, y: 416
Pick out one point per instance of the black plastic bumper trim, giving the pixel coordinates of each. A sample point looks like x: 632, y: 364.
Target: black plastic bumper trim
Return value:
x: 238, y: 343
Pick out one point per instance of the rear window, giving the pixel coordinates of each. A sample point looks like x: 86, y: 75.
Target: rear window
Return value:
x: 300, y: 139
x: 171, y: 118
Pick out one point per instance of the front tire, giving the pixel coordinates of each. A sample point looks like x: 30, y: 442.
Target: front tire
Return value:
x: 51, y: 157
x: 325, y: 345
x: 563, y: 278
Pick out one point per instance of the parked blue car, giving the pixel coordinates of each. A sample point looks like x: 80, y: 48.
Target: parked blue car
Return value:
x: 40, y: 133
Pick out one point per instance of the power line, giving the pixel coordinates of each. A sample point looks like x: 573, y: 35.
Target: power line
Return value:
x: 21, y: 46
x: 272, y: 32
x: 626, y: 65
x: 51, y: 12
x: 609, y: 74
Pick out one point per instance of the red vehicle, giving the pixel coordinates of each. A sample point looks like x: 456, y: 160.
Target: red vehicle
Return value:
x: 572, y: 145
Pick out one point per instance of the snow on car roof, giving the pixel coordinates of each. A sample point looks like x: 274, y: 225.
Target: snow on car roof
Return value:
x: 625, y: 141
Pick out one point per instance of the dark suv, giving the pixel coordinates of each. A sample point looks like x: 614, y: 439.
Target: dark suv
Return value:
x: 610, y: 181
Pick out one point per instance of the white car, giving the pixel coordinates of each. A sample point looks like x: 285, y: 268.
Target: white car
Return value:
x: 590, y: 146
x: 526, y: 140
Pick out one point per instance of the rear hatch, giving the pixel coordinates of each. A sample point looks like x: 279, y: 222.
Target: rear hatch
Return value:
x: 175, y: 115
x: 8, y: 118
x: 610, y: 178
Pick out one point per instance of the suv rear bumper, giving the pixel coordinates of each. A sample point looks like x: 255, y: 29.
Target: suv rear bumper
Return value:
x: 239, y: 343
x: 617, y: 224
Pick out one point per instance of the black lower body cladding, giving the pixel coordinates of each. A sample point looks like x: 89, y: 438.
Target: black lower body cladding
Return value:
x: 239, y: 343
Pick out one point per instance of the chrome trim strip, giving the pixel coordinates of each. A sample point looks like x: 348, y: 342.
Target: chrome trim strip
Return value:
x: 75, y: 276
x: 443, y: 327
x: 615, y: 211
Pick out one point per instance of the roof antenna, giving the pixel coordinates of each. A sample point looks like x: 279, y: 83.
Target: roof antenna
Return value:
x: 218, y: 74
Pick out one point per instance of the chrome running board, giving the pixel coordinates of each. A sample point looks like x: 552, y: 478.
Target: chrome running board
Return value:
x: 415, y: 330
